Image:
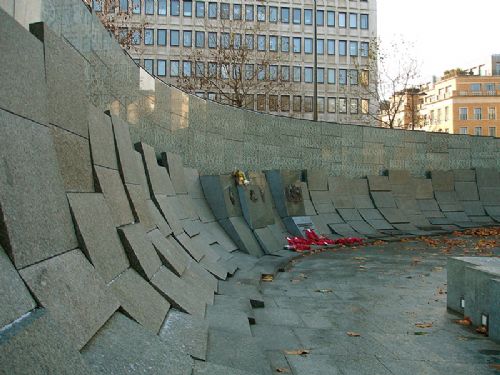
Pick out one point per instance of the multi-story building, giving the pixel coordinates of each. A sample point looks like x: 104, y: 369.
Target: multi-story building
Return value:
x: 175, y: 29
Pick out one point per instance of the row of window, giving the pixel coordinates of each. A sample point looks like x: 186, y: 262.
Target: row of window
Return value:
x: 260, y: 72
x: 478, y: 130
x: 463, y: 113
x: 261, y: 13
x: 273, y: 43
x: 476, y: 87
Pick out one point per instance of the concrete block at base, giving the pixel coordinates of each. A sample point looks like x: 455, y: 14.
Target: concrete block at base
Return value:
x: 297, y: 225
x: 240, y: 233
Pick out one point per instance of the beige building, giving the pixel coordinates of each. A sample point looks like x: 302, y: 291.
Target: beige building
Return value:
x: 177, y: 28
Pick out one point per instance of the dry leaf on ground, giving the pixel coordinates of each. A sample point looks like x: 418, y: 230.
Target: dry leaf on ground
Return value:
x: 423, y: 325
x: 297, y: 352
x: 482, y: 329
x: 353, y: 334
x: 267, y: 278
x: 282, y: 369
x: 464, y: 322
x: 324, y: 290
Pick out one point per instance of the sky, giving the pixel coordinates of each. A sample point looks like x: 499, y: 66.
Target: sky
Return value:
x: 445, y: 33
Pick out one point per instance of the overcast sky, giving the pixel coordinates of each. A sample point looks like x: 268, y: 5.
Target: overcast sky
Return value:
x: 446, y: 33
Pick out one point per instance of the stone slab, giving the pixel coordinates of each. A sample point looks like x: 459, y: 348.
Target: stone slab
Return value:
x: 73, y: 156
x: 278, y: 182
x: 383, y: 199
x: 186, y: 332
x: 193, y: 184
x: 30, y: 178
x: 427, y: 205
x: 208, y: 368
x: 320, y: 225
x: 317, y: 179
x: 477, y: 292
x: 309, y: 208
x: 481, y: 220
x: 26, y: 97
x: 256, y: 209
x: 457, y: 217
x: 379, y: 183
x: 140, y: 251
x: 158, y: 179
x: 364, y: 228
x: 324, y: 208
x: 140, y: 209
x: 432, y: 214
x: 424, y: 189
x: 179, y: 293
x: 493, y: 211
x: 371, y: 214
x: 408, y: 205
x: 242, y: 236
x: 222, y: 237
x: 102, y: 139
x: 331, y: 218
x: 323, y: 196
x: 221, y: 195
x: 130, y: 169
x: 171, y: 253
x: 193, y: 227
x: 143, y: 180
x: 399, y: 177
x: 110, y: 184
x: 216, y: 268
x: 298, y: 225
x: 203, y: 210
x: 123, y: 347
x: 487, y: 177
x: 16, y: 299
x: 490, y: 196
x: 221, y: 318
x: 169, y: 213
x: 77, y: 297
x: 140, y: 301
x: 494, y: 319
x: 187, y: 205
x: 178, y: 207
x: 394, y: 215
x: 344, y: 230
x: 464, y: 175
x: 442, y: 181
x: 380, y: 224
x: 173, y: 162
x: 343, y: 200
x: 267, y: 241
x: 192, y: 246
x: 349, y: 214
x: 466, y: 191
x: 200, y: 278
x: 35, y: 345
x: 97, y: 235
x: 362, y: 201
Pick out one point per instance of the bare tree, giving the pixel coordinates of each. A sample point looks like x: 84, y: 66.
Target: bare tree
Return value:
x: 242, y: 60
x: 392, y: 72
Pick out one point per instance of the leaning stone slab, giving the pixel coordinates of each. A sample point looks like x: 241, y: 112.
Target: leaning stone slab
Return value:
x: 442, y: 181
x: 193, y: 247
x: 176, y: 171
x: 78, y: 300
x: 158, y: 179
x: 97, y: 235
x: 344, y: 230
x: 140, y: 209
x: 172, y: 256
x: 487, y: 178
x: 349, y: 214
x: 216, y: 268
x: 110, y: 184
x: 380, y: 224
x: 140, y: 250
x: 187, y: 204
x: 203, y: 210
x: 221, y: 195
x: 490, y: 195
x: 297, y: 225
x: 383, y: 199
x: 169, y: 213
x: 16, y: 299
x: 371, y: 214
x: 158, y: 219
x: 466, y: 191
x: 362, y: 201
x: 267, y: 241
x: 123, y: 347
x: 193, y: 184
x: 179, y: 293
x: 364, y: 228
x: 320, y: 225
x: 102, y: 140
x: 256, y: 209
x: 35, y: 345
x: 317, y: 179
x: 186, y: 332
x: 424, y: 188
x: 193, y: 227
x: 30, y: 178
x: 286, y: 189
x: 394, y: 215
x: 178, y: 207
x: 242, y: 236
x: 399, y: 177
x: 379, y: 183
x: 198, y: 277
x: 323, y: 208
x: 473, y: 208
x: 130, y: 169
x: 140, y: 300
x: 221, y: 236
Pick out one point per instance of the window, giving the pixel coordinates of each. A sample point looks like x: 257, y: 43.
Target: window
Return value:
x: 296, y: 45
x: 462, y: 113
x: 297, y: 103
x: 342, y: 76
x: 261, y: 42
x: 236, y: 71
x: 249, y: 41
x: 285, y: 103
x: 308, y: 103
x: 285, y: 15
x: 331, y: 105
x: 212, y: 39
x: 342, y: 20
x: 353, y: 77
x: 261, y: 102
x: 212, y: 69
x: 464, y: 130
x: 97, y: 5
x: 224, y: 40
x: 200, y: 39
x: 149, y: 6
x: 187, y: 38
x: 174, y: 68
x: 308, y: 17
x: 285, y: 44
x: 186, y: 68
x: 342, y: 47
x: 320, y: 46
x: 174, y: 7
x: 478, y: 130
x: 353, y: 48
x: 364, y: 47
x: 365, y: 105
x: 475, y: 87
x: 249, y: 71
x: 249, y: 12
x: 149, y: 38
x: 330, y: 46
x: 297, y: 75
x: 237, y: 12
x: 308, y: 75
x: 478, y: 114
x: 489, y: 87
x: 136, y: 37
x: 285, y: 73
x: 224, y: 71
x: 492, y: 131
x: 225, y: 11
x: 342, y: 105
x: 174, y: 38
x: 273, y: 14
x: 261, y: 13
x: 273, y: 72
x: 331, y: 76
x: 354, y: 106
x: 200, y: 9
x: 187, y: 8
x: 308, y: 45
x: 261, y: 72
x: 161, y: 35
x: 320, y: 18
x: 320, y: 75
x: 273, y: 103
x: 237, y: 41
x: 364, y: 77
x: 363, y: 21
x: 297, y: 14
x: 161, y: 68
x: 446, y: 114
x: 249, y: 101
x: 136, y: 6
x: 273, y: 43
x: 162, y: 7
x: 199, y: 69
x: 149, y: 66
x: 330, y: 18
x: 353, y: 20
x: 212, y: 10
x: 492, y: 113
x: 212, y: 96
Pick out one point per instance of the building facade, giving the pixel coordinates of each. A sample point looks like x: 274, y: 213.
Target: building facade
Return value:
x: 175, y: 30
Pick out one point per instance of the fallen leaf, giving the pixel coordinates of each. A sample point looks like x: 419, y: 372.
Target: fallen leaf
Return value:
x: 464, y: 322
x: 297, y: 352
x: 359, y: 258
x: 362, y: 267
x: 437, y: 269
x: 295, y: 281
x: 420, y: 333
x: 496, y: 366
x: 267, y: 278
x: 353, y: 334
x: 482, y: 329
x: 282, y: 369
x: 378, y: 243
x: 423, y: 325
x: 324, y: 290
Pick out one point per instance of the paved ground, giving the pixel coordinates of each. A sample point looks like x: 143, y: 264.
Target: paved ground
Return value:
x: 379, y: 292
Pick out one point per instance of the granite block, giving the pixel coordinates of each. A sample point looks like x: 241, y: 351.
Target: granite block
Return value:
x: 192, y: 246
x: 493, y: 211
x: 216, y: 268
x: 176, y: 171
x: 457, y: 217
x: 187, y: 205
x: 97, y: 235
x: 179, y: 293
x: 171, y: 254
x: 140, y: 301
x: 349, y: 214
x: 73, y: 156
x: 394, y: 215
x: 323, y: 196
x: 158, y: 179
x: 169, y: 213
x: 141, y: 173
x: 442, y: 181
x: 320, y: 225
x: 343, y: 200
x: 198, y: 277
x: 110, y: 184
x: 464, y: 175
x: 324, y: 208
x: 297, y: 225
x: 141, y: 253
x: 123, y: 347
x: 466, y: 191
x: 267, y: 241
x: 364, y: 228
x: 494, y: 319
x: 383, y: 199
x: 317, y: 179
x: 379, y: 183
x: 30, y: 178
x: 74, y: 293
x: 242, y: 236
x: 256, y: 209
x: 309, y: 208
x: 408, y: 205
x: 371, y: 214
x: 193, y: 184
x: 487, y: 177
x: 477, y: 293
x: 399, y: 177
x: 424, y: 188
x: 102, y: 140
x: 193, y: 227
x: 36, y: 346
x: 331, y: 218
x: 140, y: 209
x: 203, y: 210
x: 130, y: 165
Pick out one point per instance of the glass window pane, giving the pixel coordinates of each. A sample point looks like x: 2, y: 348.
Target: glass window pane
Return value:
x: 162, y: 37
x: 308, y: 104
x: 136, y: 37
x: 331, y: 75
x: 342, y: 19
x: 273, y: 72
x: 364, y: 49
x: 363, y: 21
x: 149, y: 37
x: 342, y: 47
x: 331, y: 46
x: 273, y: 43
x: 308, y: 75
x: 320, y: 46
x: 296, y: 45
x: 261, y: 13
x: 273, y: 14
x: 174, y: 7
x: 285, y: 73
x: 149, y: 6
x: 186, y: 68
x: 330, y: 18
x: 331, y: 105
x: 174, y: 38
x: 212, y: 40
x: 149, y: 66
x: 320, y: 75
x: 308, y: 16
x: 297, y: 14
x: 249, y: 41
x: 237, y: 12
x: 200, y: 9
x: 343, y: 76
x: 308, y: 45
x: 297, y: 73
x: 162, y: 7
x: 353, y: 48
x: 353, y: 20
x: 342, y: 105
x: 212, y: 10
x: 161, y: 68
x: 261, y: 42
x: 200, y: 39
x: 320, y: 18
x: 225, y: 11
x: 200, y: 69
x: 249, y: 12
x: 285, y: 15
x: 285, y: 44
x: 187, y: 8
x: 187, y: 38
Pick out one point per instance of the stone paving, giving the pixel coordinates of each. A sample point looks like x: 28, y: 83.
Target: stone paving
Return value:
x: 380, y: 292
